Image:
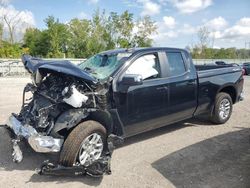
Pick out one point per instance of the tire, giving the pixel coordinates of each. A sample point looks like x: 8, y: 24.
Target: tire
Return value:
x: 73, y: 144
x: 217, y: 114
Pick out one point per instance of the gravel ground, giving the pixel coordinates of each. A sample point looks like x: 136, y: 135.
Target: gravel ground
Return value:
x: 190, y: 154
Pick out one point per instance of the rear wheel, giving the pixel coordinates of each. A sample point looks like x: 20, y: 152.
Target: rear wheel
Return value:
x: 84, y: 145
x: 222, y: 109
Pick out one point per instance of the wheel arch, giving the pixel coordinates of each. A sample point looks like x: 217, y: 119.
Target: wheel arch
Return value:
x: 70, y: 119
x: 109, y: 119
x: 229, y: 90
x: 103, y: 117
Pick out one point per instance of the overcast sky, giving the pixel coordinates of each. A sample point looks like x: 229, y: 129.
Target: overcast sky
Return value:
x: 177, y: 20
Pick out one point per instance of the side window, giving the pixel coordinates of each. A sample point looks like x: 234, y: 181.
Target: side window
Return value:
x: 147, y: 66
x: 176, y: 63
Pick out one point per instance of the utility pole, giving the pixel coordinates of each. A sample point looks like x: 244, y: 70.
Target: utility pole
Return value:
x: 247, y: 45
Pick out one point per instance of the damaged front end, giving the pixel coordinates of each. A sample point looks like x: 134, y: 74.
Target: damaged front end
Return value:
x: 39, y: 142
x: 60, y: 97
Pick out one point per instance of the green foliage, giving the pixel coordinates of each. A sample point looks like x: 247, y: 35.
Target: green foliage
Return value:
x: 1, y: 34
x: 146, y: 27
x: 58, y: 36
x: 8, y: 50
x: 37, y: 42
x: 1, y: 31
x: 121, y: 27
x: 79, y: 34
x: 223, y: 53
x: 83, y: 38
x: 99, y: 38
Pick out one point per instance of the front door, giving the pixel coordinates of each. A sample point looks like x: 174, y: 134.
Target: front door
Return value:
x: 143, y: 107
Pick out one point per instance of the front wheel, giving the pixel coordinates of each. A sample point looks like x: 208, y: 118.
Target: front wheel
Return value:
x: 222, y: 109
x: 84, y: 145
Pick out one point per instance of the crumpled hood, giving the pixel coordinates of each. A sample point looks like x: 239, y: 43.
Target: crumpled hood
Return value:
x: 32, y: 65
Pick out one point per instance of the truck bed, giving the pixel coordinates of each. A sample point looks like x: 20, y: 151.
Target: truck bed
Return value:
x: 213, y: 70
x: 212, y: 66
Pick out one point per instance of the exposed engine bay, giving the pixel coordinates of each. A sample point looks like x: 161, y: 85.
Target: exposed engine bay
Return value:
x: 56, y: 94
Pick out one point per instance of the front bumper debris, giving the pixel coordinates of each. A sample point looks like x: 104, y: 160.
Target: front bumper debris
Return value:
x: 241, y: 97
x: 20, y: 130
x: 97, y: 169
x: 17, y: 153
x: 44, y: 144
x: 39, y: 143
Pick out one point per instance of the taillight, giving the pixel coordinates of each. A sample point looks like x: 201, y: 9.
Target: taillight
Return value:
x: 243, y: 71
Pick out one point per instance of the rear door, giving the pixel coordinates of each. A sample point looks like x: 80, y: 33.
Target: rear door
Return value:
x: 182, y: 86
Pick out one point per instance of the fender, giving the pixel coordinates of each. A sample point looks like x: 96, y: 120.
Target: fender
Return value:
x: 68, y: 120
x: 73, y: 117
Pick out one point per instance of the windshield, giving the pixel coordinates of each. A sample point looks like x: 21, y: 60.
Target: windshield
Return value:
x: 101, y: 66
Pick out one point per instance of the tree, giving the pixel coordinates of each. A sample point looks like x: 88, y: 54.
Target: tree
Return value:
x: 37, y: 42
x: 58, y: 36
x: 203, y: 36
x: 121, y: 27
x: 10, y: 50
x: 11, y: 22
x: 79, y: 35
x: 1, y: 34
x: 146, y: 27
x: 203, y: 39
x: 83, y: 38
x: 99, y: 38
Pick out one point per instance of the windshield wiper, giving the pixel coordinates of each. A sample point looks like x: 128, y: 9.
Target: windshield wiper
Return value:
x: 89, y: 70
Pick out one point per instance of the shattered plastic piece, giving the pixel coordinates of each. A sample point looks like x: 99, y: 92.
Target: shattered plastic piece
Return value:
x: 100, y: 167
x: 76, y: 99
x: 19, y: 129
x: 39, y: 143
x: 17, y: 153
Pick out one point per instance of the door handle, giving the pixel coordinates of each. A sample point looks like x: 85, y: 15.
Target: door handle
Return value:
x: 190, y: 83
x: 162, y: 88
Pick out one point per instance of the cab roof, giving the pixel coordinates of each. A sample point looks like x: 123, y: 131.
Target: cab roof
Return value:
x: 134, y: 50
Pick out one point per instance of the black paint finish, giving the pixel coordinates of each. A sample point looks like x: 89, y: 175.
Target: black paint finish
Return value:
x: 169, y: 99
x: 160, y: 101
x: 66, y: 67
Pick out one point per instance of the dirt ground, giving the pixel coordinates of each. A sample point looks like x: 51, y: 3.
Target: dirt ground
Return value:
x: 190, y: 154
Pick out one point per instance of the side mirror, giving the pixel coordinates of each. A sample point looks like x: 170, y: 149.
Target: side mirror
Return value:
x: 130, y: 80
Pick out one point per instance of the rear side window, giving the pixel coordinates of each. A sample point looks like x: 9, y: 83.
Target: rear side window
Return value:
x: 176, y: 63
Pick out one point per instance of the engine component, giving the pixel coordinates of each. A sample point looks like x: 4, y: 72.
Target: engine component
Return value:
x: 73, y: 97
x: 51, y: 98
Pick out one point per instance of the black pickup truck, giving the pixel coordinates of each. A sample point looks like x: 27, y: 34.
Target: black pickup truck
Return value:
x: 77, y: 110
